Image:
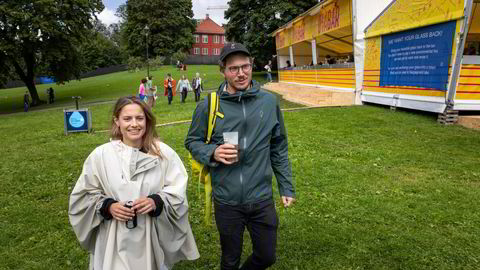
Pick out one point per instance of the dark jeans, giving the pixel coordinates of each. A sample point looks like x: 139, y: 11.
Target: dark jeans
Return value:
x: 261, y: 221
x: 197, y: 94
x: 170, y: 95
x: 184, y: 95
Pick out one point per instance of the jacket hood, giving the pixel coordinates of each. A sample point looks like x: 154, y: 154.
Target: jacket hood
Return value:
x: 239, y: 95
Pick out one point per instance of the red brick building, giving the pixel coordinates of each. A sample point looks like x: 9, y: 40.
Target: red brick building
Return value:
x: 209, y: 40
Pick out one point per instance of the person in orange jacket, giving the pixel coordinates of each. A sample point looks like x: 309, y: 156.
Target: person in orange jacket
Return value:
x: 170, y: 87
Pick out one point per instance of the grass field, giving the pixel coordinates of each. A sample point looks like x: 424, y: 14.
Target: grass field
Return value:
x: 376, y: 189
x: 107, y: 87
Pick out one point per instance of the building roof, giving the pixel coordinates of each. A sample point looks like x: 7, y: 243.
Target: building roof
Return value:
x: 208, y: 26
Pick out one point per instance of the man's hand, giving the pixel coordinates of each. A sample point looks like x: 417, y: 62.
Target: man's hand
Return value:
x: 225, y: 153
x: 287, y: 201
x: 144, y: 205
x: 120, y: 212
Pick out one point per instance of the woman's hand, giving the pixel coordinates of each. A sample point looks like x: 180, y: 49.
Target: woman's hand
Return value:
x: 120, y: 212
x: 144, y: 205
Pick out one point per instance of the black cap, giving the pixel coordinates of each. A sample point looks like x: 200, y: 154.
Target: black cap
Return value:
x: 230, y: 48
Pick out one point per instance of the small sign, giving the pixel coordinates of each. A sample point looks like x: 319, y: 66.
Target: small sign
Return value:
x: 77, y: 120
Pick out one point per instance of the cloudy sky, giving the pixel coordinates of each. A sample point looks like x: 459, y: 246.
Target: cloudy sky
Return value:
x: 199, y: 10
x: 368, y: 10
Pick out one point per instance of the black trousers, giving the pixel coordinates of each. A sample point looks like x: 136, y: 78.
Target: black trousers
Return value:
x: 184, y: 95
x: 170, y: 95
x: 261, y: 221
x: 197, y: 94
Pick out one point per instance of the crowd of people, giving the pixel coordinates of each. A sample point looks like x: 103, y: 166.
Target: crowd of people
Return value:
x: 129, y: 207
x: 147, y: 91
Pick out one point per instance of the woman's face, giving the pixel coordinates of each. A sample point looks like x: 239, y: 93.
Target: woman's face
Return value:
x: 132, y: 124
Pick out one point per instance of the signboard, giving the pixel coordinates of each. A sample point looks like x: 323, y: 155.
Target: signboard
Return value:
x: 419, y: 57
x: 77, y: 120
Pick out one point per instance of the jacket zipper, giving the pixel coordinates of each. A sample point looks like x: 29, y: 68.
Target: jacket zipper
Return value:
x: 244, y: 147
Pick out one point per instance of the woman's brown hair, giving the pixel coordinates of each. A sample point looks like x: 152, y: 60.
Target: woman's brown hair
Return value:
x: 150, y: 137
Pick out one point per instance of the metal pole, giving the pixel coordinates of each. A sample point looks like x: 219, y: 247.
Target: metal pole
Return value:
x: 148, y: 64
x: 462, y: 36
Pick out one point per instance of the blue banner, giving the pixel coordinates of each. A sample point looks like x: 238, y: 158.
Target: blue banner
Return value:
x: 418, y: 57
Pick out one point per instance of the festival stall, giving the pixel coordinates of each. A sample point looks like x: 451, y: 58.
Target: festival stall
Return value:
x: 419, y: 54
x: 326, y: 30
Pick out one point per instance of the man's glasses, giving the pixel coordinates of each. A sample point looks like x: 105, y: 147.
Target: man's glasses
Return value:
x: 235, y: 69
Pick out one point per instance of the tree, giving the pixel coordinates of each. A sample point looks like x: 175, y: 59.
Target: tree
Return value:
x: 101, y: 50
x: 46, y: 34
x: 251, y: 21
x: 170, y: 24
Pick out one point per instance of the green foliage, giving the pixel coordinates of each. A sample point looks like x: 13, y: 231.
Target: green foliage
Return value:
x: 251, y: 22
x: 134, y: 63
x: 170, y: 26
x: 44, y: 33
x: 101, y: 51
x: 179, y: 55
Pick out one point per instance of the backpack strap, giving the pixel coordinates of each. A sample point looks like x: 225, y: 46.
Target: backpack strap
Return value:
x: 213, y: 113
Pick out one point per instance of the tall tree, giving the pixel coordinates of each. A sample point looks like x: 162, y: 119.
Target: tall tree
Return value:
x: 44, y: 33
x: 102, y: 49
x: 251, y: 21
x: 170, y: 24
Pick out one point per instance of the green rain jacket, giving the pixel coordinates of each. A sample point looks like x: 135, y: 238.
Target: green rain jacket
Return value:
x: 263, y: 147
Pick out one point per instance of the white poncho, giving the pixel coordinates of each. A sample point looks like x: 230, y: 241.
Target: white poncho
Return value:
x: 115, y: 170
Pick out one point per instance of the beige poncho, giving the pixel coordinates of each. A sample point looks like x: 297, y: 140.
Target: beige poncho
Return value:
x: 115, y: 170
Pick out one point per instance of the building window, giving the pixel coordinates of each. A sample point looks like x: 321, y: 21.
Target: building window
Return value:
x: 216, y: 39
x: 205, y: 38
x: 216, y: 51
x: 205, y: 51
x: 196, y: 50
x: 197, y: 38
x: 223, y: 39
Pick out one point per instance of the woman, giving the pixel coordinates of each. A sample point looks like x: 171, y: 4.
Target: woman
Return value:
x: 141, y: 89
x: 184, y: 86
x: 129, y: 207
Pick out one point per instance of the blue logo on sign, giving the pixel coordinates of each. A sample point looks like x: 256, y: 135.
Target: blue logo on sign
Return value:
x: 76, y: 120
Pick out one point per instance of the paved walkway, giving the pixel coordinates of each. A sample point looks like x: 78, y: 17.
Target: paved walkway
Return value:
x: 311, y: 96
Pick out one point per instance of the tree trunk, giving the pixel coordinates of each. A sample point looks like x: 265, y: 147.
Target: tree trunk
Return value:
x: 28, y: 78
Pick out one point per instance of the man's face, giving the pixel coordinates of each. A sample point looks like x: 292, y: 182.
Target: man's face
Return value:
x: 238, y: 72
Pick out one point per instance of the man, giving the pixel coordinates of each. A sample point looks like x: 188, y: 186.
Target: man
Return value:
x: 268, y: 67
x: 197, y: 86
x: 242, y: 190
x: 169, y: 84
x: 26, y: 101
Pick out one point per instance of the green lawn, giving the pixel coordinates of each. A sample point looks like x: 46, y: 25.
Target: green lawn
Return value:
x: 376, y: 189
x: 110, y: 86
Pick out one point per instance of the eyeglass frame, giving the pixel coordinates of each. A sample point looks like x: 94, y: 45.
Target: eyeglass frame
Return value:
x: 249, y: 65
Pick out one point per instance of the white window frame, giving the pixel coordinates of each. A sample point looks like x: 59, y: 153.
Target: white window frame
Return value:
x: 196, y: 50
x: 205, y: 39
x: 204, y: 51
x: 223, y: 40
x: 216, y: 39
x: 216, y: 51
x: 197, y: 38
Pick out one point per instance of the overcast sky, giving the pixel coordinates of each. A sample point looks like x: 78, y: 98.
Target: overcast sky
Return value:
x: 368, y: 10
x: 107, y: 16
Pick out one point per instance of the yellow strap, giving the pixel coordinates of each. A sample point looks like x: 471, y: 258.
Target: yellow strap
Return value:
x: 212, y: 114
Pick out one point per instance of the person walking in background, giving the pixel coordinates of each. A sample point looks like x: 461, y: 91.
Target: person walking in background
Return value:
x: 268, y: 67
x: 197, y: 86
x: 141, y: 89
x: 129, y: 207
x: 26, y: 101
x: 241, y: 174
x: 150, y: 92
x: 170, y: 87
x: 51, y: 95
x: 184, y: 86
